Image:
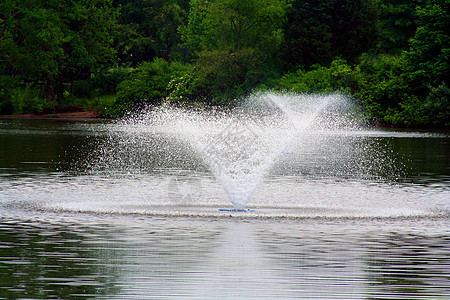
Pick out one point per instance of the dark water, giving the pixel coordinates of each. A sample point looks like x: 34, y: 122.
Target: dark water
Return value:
x: 156, y: 233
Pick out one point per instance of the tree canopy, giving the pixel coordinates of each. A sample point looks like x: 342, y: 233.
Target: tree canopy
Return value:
x: 429, y: 52
x: 149, y: 29
x: 392, y: 56
x: 318, y: 31
x: 235, y: 44
x: 234, y: 25
x: 55, y: 41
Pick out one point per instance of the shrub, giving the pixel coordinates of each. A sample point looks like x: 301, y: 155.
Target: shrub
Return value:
x: 106, y: 82
x: 149, y: 83
x: 27, y: 100
x: 101, y: 83
x: 382, y: 86
x: 389, y: 96
x: 182, y: 88
x: 338, y: 77
x: 437, y: 106
x: 17, y: 97
x: 84, y: 89
x: 7, y: 85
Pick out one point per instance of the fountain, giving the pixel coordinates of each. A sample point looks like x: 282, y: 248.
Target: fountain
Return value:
x: 275, y: 155
x: 322, y: 206
x: 240, y: 146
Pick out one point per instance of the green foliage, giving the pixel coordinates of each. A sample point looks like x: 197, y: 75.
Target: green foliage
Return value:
x: 317, y: 31
x: 429, y: 54
x: 396, y: 25
x: 63, y: 51
x: 103, y: 103
x: 106, y: 82
x: 7, y: 86
x: 381, y: 84
x: 193, y: 34
x: 32, y: 38
x: 149, y: 83
x: 98, y: 84
x: 383, y: 87
x: 83, y: 89
x: 235, y: 44
x: 232, y: 25
x: 223, y: 77
x: 434, y: 111
x: 17, y: 97
x: 404, y: 114
x: 148, y: 29
x: 337, y: 77
x: 436, y: 108
x: 26, y: 100
x: 412, y: 89
x: 182, y: 89
x: 53, y: 41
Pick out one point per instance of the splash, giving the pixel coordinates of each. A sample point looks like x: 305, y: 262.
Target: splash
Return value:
x: 239, y: 146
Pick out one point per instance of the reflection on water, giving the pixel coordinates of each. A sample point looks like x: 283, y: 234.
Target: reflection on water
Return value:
x: 107, y: 257
x: 401, y: 264
x: 153, y: 231
x: 42, y: 260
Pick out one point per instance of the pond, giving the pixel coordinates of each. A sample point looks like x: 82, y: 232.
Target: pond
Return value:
x: 90, y: 210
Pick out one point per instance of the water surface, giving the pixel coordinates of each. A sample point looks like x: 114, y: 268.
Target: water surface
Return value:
x: 329, y: 223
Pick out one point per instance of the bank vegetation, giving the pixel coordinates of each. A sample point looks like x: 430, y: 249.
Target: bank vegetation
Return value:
x: 391, y: 56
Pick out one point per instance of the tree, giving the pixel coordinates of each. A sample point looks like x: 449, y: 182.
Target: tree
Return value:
x: 319, y: 30
x: 235, y: 44
x: 55, y: 41
x: 149, y: 29
x: 396, y: 25
x: 31, y: 41
x: 235, y: 25
x: 429, y: 53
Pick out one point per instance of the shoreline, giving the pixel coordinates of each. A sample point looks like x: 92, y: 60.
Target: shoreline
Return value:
x: 90, y: 115
x: 94, y: 115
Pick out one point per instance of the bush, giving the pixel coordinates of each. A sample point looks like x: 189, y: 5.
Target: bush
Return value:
x: 182, y: 88
x: 433, y: 111
x: 17, y: 97
x: 382, y: 86
x: 27, y: 100
x: 338, y: 77
x: 150, y: 83
x: 389, y: 96
x: 436, y: 108
x: 406, y: 114
x: 84, y: 89
x: 101, y: 83
x: 106, y: 82
x: 7, y: 85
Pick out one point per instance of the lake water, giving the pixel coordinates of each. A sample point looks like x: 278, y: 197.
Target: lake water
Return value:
x: 89, y: 210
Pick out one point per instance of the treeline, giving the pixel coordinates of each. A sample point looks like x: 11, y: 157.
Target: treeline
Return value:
x: 392, y: 56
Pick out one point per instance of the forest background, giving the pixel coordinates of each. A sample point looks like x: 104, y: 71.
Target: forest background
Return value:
x: 391, y: 56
